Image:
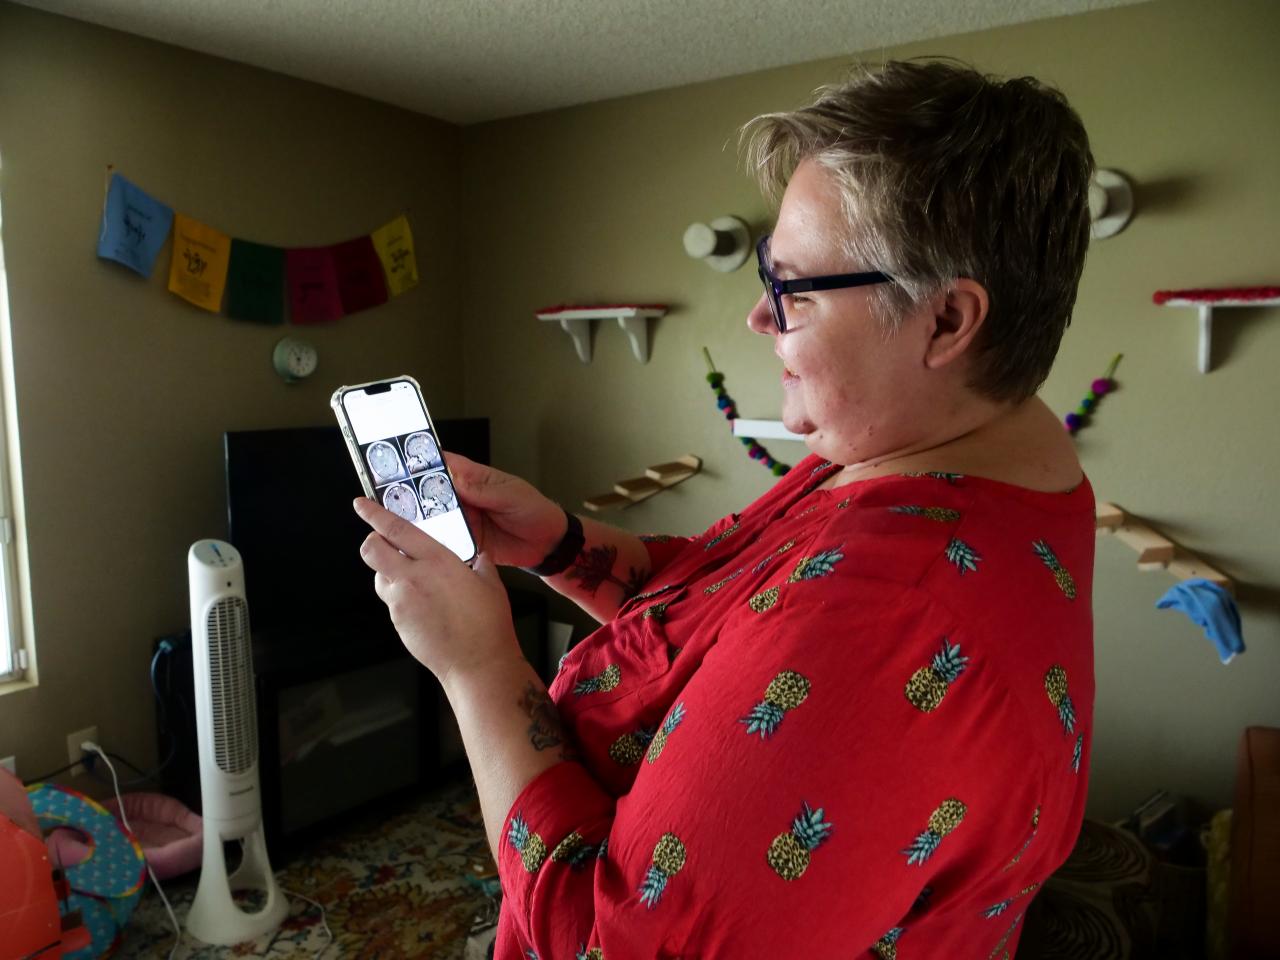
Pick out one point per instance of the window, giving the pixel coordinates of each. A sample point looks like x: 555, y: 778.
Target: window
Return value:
x: 13, y: 660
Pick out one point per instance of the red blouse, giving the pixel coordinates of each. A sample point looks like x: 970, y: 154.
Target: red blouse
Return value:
x: 846, y: 722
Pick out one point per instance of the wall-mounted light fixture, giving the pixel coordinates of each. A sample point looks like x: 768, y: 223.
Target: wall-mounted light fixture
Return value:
x: 724, y: 243
x: 1110, y: 203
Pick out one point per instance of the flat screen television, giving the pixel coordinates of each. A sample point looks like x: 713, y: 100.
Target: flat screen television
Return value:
x: 289, y: 494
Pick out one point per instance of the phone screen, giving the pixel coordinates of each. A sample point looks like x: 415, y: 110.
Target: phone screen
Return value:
x: 401, y: 456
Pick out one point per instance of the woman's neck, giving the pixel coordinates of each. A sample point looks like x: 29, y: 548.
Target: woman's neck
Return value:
x: 1024, y: 445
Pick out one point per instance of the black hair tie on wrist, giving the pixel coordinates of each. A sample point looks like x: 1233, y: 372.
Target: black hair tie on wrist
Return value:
x: 564, y: 553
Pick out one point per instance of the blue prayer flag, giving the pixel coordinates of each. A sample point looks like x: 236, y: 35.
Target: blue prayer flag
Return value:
x: 134, y: 226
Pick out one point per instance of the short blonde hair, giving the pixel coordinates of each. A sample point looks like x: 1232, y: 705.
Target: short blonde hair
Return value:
x: 945, y: 172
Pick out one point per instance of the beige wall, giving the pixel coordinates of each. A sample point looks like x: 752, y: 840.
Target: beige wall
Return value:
x: 589, y: 204
x: 585, y: 205
x: 123, y: 390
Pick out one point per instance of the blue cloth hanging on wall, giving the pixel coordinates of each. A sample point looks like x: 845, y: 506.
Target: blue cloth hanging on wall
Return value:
x: 1211, y: 608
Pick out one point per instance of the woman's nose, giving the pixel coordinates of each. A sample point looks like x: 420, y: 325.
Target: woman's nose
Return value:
x: 760, y: 317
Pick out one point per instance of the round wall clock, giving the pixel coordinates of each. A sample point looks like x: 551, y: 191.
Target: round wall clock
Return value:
x: 294, y: 359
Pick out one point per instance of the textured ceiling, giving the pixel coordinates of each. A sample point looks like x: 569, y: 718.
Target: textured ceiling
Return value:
x: 468, y: 61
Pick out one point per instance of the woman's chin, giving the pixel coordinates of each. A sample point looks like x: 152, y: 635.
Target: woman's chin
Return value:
x: 797, y: 423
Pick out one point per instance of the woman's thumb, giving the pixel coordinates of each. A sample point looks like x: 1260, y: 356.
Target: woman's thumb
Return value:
x: 485, y: 569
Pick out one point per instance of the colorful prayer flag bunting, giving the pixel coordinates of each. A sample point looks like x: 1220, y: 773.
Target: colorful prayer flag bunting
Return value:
x: 394, y: 243
x: 134, y: 226
x: 198, y: 269
x: 317, y: 284
x: 255, y: 282
x: 313, y: 285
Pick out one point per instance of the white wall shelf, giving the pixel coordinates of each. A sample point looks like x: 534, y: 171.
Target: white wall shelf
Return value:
x: 1206, y: 300
x: 632, y: 318
x: 763, y: 430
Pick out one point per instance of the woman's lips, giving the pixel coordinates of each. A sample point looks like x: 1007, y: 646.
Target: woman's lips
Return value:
x: 789, y: 379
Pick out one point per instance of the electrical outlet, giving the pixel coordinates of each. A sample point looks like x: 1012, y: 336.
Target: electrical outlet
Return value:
x: 10, y: 764
x: 74, y: 753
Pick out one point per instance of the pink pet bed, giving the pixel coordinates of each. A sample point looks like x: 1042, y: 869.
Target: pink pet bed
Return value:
x: 172, y: 837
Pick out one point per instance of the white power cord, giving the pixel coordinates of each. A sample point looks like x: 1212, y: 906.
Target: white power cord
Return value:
x: 89, y: 746
x: 324, y: 917
x: 324, y: 922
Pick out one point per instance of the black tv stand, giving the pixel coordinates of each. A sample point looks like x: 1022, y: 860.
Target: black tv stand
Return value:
x: 346, y: 719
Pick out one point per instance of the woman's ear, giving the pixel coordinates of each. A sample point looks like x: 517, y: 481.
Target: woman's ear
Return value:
x: 958, y: 317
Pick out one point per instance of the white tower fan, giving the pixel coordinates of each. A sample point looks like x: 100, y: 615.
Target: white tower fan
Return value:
x: 227, y: 732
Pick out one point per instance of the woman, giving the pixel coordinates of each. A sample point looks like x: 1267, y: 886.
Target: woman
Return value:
x: 854, y: 718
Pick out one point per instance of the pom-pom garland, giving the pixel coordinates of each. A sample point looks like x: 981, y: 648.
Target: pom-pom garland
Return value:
x: 1097, y: 390
x: 730, y: 410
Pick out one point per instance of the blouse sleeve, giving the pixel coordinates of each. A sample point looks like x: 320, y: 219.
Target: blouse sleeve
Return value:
x: 662, y: 549
x: 843, y: 753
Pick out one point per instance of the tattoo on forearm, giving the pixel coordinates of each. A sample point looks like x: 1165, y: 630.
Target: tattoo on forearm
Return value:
x: 635, y: 580
x: 545, y: 729
x: 594, y: 566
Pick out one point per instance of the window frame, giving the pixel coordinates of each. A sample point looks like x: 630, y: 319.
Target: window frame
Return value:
x: 13, y: 635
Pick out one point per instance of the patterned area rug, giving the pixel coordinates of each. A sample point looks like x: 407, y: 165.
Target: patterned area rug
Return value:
x: 392, y: 887
x: 1112, y: 900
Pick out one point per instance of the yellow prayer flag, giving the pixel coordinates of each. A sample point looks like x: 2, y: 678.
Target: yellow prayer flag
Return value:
x: 198, y: 270
x: 394, y: 243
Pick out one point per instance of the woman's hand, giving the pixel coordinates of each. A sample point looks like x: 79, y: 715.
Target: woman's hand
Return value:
x: 449, y: 616
x: 514, y: 525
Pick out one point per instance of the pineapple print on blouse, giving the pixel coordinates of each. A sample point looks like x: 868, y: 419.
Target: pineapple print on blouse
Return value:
x: 659, y: 742
x: 963, y: 556
x: 785, y: 692
x: 650, y: 594
x: 1066, y: 583
x: 1035, y: 825
x: 952, y: 478
x: 886, y: 948
x: 771, y: 557
x: 629, y: 748
x: 940, y: 514
x: 528, y: 844
x: 789, y: 852
x: 668, y: 860
x: 1055, y: 685
x: 941, y: 822
x: 928, y: 685
x: 573, y: 850
x: 998, y: 908
x: 809, y: 568
x: 604, y: 681
x: 723, y: 535
x: 657, y: 611
x: 1005, y: 939
x: 720, y: 583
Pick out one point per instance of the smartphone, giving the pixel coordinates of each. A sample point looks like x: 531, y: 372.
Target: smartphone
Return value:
x: 397, y: 455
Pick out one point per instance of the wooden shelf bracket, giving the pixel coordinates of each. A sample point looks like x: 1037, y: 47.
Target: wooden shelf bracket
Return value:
x: 662, y: 476
x: 1155, y: 550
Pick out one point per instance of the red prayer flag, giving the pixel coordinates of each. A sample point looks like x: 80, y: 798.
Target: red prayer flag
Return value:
x: 361, y: 283
x: 313, y: 285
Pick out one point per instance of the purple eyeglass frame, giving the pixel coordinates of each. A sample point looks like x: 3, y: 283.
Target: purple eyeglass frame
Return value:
x: 777, y: 289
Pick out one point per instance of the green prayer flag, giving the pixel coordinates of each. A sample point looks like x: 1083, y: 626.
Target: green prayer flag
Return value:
x: 255, y: 282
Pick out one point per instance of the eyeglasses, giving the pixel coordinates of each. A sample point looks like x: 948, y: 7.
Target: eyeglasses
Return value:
x: 776, y: 289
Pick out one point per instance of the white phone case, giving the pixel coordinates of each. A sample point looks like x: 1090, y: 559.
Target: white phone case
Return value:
x: 353, y: 448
